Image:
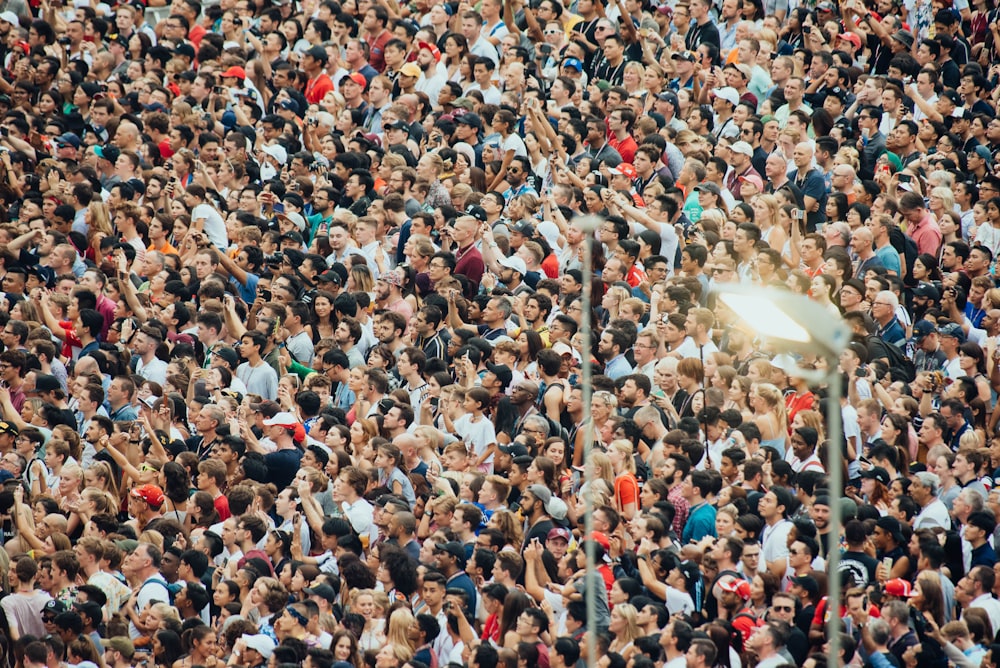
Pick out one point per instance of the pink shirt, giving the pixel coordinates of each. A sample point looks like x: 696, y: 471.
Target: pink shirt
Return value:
x: 927, y: 235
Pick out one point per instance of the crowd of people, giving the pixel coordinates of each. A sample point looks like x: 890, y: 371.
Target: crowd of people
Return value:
x: 293, y: 298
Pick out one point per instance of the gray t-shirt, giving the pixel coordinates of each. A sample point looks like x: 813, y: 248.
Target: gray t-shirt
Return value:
x: 259, y: 379
x: 24, y: 612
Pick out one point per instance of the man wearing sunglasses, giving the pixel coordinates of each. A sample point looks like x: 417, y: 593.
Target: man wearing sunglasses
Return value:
x: 783, y: 609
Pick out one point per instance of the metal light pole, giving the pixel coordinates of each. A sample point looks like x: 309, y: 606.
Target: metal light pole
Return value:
x: 588, y: 224
x: 797, y: 324
x: 835, y: 458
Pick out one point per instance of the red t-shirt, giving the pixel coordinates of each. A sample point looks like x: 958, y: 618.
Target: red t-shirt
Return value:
x: 222, y: 505
x: 627, y: 490
x: 317, y: 88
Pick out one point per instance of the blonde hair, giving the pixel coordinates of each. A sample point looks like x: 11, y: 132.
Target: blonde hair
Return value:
x: 103, y: 501
x: 771, y: 202
x: 813, y: 419
x: 729, y: 509
x: 153, y: 538
x: 399, y: 623
x: 625, y: 449
x: 434, y: 437
x: 630, y: 615
x: 773, y: 396
x: 970, y: 439
x: 602, y: 467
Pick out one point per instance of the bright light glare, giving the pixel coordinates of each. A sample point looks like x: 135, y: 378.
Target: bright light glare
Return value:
x: 766, y: 318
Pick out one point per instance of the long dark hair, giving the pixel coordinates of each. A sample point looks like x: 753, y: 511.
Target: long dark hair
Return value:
x: 172, y: 648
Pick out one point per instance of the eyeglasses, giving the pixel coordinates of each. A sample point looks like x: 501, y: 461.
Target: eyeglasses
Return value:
x: 782, y: 608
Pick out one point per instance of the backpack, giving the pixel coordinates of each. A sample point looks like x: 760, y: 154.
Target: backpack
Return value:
x: 172, y: 589
x: 902, y: 367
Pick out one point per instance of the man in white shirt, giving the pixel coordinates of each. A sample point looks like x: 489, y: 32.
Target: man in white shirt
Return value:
x: 933, y: 514
x: 347, y: 490
x: 979, y: 583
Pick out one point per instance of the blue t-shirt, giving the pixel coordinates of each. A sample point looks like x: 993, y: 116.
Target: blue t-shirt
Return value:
x: 700, y: 523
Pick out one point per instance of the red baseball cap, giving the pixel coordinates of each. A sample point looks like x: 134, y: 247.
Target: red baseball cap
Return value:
x: 235, y: 71
x: 898, y: 587
x: 151, y: 494
x: 739, y: 587
x: 625, y: 169
x: 436, y: 52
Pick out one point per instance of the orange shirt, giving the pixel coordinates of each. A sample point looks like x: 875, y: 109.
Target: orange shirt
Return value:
x: 166, y: 248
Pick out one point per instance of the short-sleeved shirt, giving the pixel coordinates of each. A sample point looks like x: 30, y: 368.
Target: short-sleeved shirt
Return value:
x: 24, y: 612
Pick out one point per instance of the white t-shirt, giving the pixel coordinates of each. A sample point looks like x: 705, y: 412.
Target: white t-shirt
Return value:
x: 479, y: 435
x: 215, y: 226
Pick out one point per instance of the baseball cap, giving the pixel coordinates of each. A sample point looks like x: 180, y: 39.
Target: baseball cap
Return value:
x: 807, y: 582
x: 317, y: 52
x: 108, y: 152
x: 737, y: 586
x: 898, y: 587
x: 514, y: 450
x: 277, y: 151
x: 684, y: 55
x: 356, y: 77
x: 120, y: 644
x: 454, y: 548
x: 927, y: 290
x: 55, y: 607
x: 542, y: 493
x: 502, y: 372
x: 470, y: 119
x: 708, y: 187
x: 668, y: 96
x: 904, y: 37
x: 151, y: 494
x: 436, y: 52
x: 524, y: 228
x: 289, y: 105
x: 324, y: 591
x: 260, y: 643
x: 8, y: 428
x: 877, y: 473
x: 574, y: 63
x: 10, y: 17
x: 515, y: 263
x: 729, y: 94
x: 922, y: 328
x: 891, y: 526
x: 68, y: 138
x: 45, y: 382
x: 601, y: 539
x: 984, y: 153
x: 477, y: 212
x: 852, y: 38
x: 558, y: 532
x: 410, y: 70
x: 753, y: 179
x: 625, y: 169
x: 952, y: 329
x: 282, y: 419
x: 954, y: 96
x: 235, y: 71
x: 229, y: 355
x: 743, y: 148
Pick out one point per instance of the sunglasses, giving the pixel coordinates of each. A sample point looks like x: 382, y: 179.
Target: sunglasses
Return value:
x: 782, y: 608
